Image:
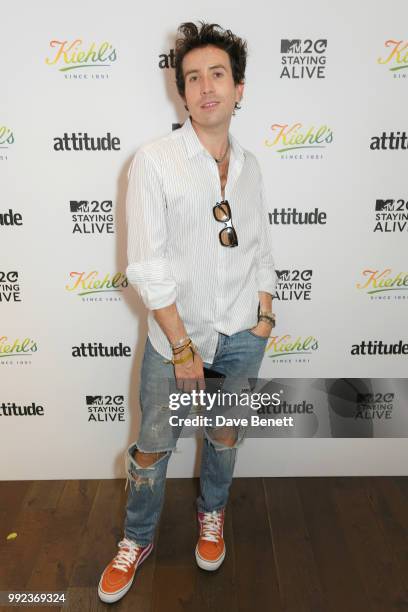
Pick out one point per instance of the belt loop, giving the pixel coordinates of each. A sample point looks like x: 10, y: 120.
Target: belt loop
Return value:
x: 219, y: 347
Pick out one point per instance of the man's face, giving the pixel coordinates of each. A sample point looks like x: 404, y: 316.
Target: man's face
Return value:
x: 210, y: 91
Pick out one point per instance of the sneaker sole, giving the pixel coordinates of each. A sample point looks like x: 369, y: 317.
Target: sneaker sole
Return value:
x: 112, y: 597
x: 209, y: 565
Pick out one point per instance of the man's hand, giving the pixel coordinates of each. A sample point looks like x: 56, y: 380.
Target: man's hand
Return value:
x: 189, y: 375
x: 262, y: 329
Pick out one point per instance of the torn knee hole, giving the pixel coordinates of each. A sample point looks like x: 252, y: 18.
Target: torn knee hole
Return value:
x: 147, y: 459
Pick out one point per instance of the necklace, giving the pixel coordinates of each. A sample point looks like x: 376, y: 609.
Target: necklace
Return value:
x: 221, y: 159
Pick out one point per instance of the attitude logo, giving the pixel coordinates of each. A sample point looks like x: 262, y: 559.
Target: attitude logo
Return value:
x: 14, y: 351
x: 378, y: 347
x: 303, y: 59
x: 285, y: 408
x: 6, y: 141
x: 395, y: 57
x: 167, y: 60
x: 11, y: 218
x: 291, y: 216
x: 12, y: 409
x: 294, y: 285
x: 283, y: 349
x: 82, y: 61
x: 288, y: 138
x: 84, y: 284
x: 97, y: 349
x: 393, y: 141
x: 83, y: 142
x: 106, y: 408
x: 9, y: 287
x: 375, y: 406
x: 391, y: 216
x: 91, y: 217
x: 384, y: 285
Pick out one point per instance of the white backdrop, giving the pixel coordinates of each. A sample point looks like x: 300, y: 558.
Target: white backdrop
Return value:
x: 131, y: 97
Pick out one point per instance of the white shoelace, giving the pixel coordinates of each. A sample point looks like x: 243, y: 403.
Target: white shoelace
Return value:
x: 124, y: 558
x: 211, y: 526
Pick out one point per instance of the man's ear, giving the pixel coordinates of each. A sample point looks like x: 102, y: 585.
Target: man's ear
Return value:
x: 185, y: 102
x: 239, y: 88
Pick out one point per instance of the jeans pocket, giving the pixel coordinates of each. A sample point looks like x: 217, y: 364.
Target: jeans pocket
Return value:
x: 261, y: 338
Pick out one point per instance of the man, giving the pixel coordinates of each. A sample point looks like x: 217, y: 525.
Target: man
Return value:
x: 200, y: 258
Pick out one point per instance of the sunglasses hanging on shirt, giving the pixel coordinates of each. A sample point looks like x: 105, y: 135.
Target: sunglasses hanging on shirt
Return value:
x: 222, y: 213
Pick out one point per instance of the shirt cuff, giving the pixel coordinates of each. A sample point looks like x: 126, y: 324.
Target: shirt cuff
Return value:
x: 266, y: 280
x: 153, y: 282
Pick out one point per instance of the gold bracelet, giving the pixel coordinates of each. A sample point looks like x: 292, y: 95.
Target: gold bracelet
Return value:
x: 193, y: 350
x: 183, y: 359
x: 178, y: 361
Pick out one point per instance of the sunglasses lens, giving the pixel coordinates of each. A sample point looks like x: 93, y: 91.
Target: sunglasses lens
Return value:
x: 228, y: 237
x: 222, y: 212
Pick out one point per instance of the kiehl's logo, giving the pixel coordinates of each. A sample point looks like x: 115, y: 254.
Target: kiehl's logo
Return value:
x: 85, y: 283
x: 6, y: 137
x: 73, y: 55
x: 297, y: 136
x: 376, y: 281
x: 16, y: 347
x: 284, y: 346
x: 395, y: 56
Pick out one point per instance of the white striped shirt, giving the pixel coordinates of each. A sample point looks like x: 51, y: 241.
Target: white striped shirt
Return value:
x: 174, y: 252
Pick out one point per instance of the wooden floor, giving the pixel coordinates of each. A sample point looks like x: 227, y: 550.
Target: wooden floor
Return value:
x: 293, y: 545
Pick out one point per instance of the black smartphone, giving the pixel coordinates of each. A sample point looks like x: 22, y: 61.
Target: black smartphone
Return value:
x: 212, y: 373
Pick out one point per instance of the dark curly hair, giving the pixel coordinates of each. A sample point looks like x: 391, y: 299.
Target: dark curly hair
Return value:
x: 209, y: 34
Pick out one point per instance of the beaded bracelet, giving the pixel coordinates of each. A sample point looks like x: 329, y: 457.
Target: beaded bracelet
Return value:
x: 179, y: 342
x: 181, y: 348
x: 267, y: 318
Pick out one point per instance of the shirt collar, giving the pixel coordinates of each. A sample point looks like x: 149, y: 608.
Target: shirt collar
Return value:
x: 194, y: 145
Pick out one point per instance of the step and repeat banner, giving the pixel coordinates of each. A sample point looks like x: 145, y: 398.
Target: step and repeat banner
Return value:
x: 324, y: 111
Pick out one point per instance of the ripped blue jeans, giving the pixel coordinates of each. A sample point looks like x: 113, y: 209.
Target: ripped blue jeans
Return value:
x: 238, y: 355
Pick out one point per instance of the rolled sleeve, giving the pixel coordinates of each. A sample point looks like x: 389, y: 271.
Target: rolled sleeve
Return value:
x: 148, y: 269
x: 266, y: 273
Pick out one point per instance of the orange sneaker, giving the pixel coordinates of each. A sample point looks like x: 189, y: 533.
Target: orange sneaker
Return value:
x: 118, y: 576
x: 210, y: 549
